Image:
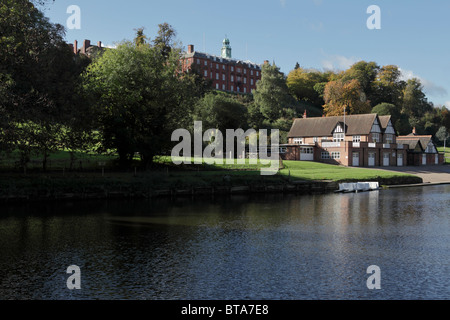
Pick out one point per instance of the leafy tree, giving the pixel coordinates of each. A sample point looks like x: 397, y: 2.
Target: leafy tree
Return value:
x: 140, y: 97
x: 443, y: 135
x: 165, y: 40
x: 388, y: 86
x: 297, y: 66
x: 39, y: 80
x: 415, y: 103
x: 272, y: 94
x: 349, y: 95
x: 365, y: 73
x: 221, y: 112
x: 301, y: 84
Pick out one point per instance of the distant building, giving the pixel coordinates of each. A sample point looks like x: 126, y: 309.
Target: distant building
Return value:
x: 87, y: 49
x: 224, y: 72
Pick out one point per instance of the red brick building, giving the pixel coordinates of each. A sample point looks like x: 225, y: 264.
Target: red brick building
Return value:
x: 225, y: 73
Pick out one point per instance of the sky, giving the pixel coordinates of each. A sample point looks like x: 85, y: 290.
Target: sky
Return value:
x: 318, y: 34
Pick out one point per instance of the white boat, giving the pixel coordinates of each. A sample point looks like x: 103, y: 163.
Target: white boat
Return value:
x: 358, y: 187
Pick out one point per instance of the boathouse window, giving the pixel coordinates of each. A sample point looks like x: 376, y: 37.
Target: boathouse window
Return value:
x: 338, y: 137
x: 356, y: 138
x: 325, y: 155
x: 298, y: 140
x: 335, y: 155
x: 375, y: 137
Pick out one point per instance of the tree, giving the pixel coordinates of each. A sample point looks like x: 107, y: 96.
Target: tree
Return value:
x: 141, y: 97
x: 365, y: 73
x: 340, y: 95
x: 140, y: 38
x: 165, y: 40
x: 221, y: 112
x: 415, y: 103
x: 443, y: 135
x: 272, y: 94
x: 297, y: 66
x: 388, y: 86
x: 39, y: 80
x: 301, y: 84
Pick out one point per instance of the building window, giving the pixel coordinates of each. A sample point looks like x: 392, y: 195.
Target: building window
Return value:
x: 223, y: 67
x: 356, y: 138
x: 217, y: 86
x: 223, y: 77
x: 245, y: 80
x: 316, y: 139
x: 375, y: 137
x: 238, y: 70
x: 257, y: 73
x: 335, y: 155
x: 298, y: 140
x: 232, y: 69
x: 307, y: 150
x: 389, y: 138
x: 206, y: 73
x: 217, y: 76
x: 245, y: 71
x: 211, y: 75
x: 232, y: 88
x: 325, y: 155
x: 217, y: 66
x: 338, y: 137
x: 245, y: 90
x: 206, y: 63
x: 223, y: 87
x: 251, y: 81
x: 232, y: 78
x: 198, y: 61
x: 251, y: 72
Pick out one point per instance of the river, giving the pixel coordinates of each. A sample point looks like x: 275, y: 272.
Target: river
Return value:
x: 275, y: 247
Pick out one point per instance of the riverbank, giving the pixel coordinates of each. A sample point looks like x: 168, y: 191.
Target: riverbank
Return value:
x: 295, y: 177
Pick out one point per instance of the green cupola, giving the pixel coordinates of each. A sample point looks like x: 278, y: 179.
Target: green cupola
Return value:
x: 226, y: 49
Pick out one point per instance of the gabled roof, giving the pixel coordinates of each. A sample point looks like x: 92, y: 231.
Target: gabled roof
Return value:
x: 384, y: 121
x: 414, y: 138
x: 413, y: 144
x: 322, y: 127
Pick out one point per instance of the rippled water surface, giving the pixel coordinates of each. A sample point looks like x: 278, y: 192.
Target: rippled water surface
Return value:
x: 276, y: 247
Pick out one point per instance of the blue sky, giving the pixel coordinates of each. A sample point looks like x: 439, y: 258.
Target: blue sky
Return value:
x: 319, y: 34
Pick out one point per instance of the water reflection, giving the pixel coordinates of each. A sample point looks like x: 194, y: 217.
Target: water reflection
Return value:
x: 240, y: 247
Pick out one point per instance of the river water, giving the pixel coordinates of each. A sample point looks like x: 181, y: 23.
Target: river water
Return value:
x: 275, y: 247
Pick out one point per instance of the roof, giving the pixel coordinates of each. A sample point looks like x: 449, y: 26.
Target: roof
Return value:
x: 321, y: 127
x: 424, y: 140
x: 202, y: 55
x: 384, y: 121
x: 413, y: 144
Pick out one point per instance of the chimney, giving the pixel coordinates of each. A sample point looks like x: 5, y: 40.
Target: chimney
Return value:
x: 266, y: 61
x: 86, y: 44
x: 75, y: 47
x: 414, y: 131
x: 99, y: 44
x: 305, y: 115
x: 190, y: 48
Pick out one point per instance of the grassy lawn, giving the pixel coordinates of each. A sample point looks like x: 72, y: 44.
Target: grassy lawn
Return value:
x: 447, y: 153
x: 168, y: 175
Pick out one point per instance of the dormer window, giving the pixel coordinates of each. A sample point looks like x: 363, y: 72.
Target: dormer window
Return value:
x: 298, y: 140
x: 338, y: 137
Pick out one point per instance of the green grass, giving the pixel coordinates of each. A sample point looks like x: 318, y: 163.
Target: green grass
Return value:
x: 447, y: 153
x: 304, y: 170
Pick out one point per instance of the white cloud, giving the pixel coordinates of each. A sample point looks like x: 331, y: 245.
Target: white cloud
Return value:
x: 338, y: 62
x: 428, y: 86
x: 447, y: 104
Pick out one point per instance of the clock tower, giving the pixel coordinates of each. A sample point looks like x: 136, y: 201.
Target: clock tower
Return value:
x: 226, y: 49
